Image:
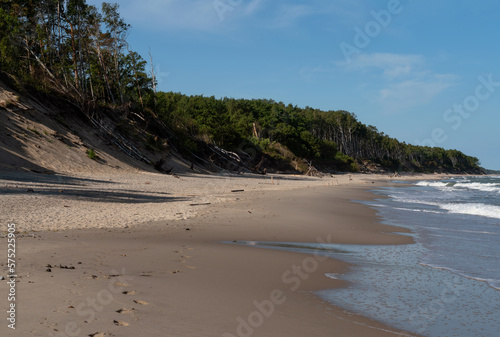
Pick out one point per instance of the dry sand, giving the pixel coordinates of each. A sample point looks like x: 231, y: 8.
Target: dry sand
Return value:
x: 120, y: 199
x: 148, y: 258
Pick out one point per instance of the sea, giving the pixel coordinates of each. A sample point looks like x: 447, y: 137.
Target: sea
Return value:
x: 445, y: 284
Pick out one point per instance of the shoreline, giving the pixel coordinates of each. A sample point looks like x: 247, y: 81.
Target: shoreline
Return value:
x: 210, y: 286
x: 198, y: 263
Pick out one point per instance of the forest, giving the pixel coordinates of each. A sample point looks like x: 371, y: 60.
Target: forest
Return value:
x: 79, y: 53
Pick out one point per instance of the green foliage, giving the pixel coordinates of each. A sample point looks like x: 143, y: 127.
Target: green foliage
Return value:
x: 9, y: 30
x: 333, y: 139
x: 35, y: 131
x: 81, y: 52
x: 73, y: 48
x: 91, y: 154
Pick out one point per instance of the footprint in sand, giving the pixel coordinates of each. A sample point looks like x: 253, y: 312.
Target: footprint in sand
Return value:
x: 120, y: 284
x: 141, y: 302
x: 131, y: 292
x: 120, y: 323
x: 125, y: 311
x: 99, y: 334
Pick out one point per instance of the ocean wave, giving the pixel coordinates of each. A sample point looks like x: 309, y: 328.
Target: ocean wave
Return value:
x: 418, y: 210
x: 493, y: 283
x: 487, y: 187
x: 407, y: 200
x: 432, y: 183
x: 489, y: 211
x: 462, y: 184
x: 459, y: 230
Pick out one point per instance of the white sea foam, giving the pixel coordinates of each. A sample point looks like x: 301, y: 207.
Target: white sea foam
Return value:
x: 489, y: 211
x: 491, y: 282
x: 432, y: 183
x: 418, y: 210
x: 459, y: 230
x: 333, y: 276
x: 462, y: 184
x: 413, y: 201
x: 488, y: 187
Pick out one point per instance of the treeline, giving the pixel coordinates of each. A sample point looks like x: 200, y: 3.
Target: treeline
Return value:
x: 81, y: 52
x: 330, y: 139
x: 72, y: 47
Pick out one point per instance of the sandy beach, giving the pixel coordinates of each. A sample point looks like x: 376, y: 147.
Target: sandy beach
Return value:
x: 145, y: 254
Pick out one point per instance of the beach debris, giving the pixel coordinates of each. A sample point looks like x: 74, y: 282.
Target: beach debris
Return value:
x: 131, y: 292
x: 125, y: 311
x: 49, y: 270
x: 2, y: 278
x: 66, y: 267
x: 60, y: 266
x: 235, y: 191
x: 188, y: 229
x: 202, y: 204
x: 141, y: 302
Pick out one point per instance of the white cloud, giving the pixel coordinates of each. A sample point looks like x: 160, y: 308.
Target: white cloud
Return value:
x: 400, y: 96
x: 219, y: 15
x: 289, y: 14
x: 160, y: 14
x: 254, y: 6
x: 204, y: 15
x: 400, y: 81
x: 392, y: 65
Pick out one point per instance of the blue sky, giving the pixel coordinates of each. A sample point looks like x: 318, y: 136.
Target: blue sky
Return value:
x: 423, y: 71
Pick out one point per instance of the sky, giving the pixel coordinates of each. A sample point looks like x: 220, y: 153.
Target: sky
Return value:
x: 423, y: 71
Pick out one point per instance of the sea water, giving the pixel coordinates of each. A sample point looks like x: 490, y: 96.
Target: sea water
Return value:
x: 448, y: 282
